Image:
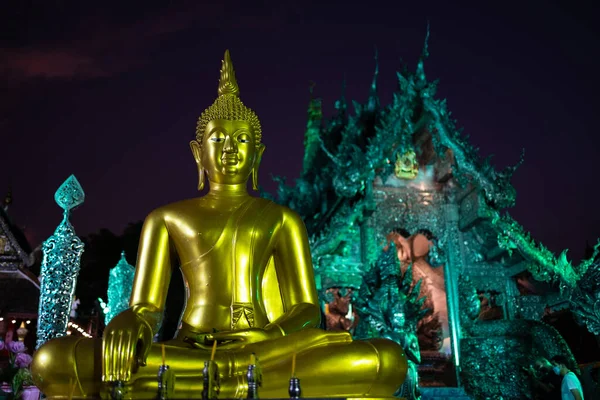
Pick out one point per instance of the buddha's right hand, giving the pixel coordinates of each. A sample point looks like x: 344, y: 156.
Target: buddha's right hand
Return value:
x: 126, y: 344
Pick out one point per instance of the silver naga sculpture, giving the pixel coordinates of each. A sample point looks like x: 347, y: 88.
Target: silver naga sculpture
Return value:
x: 391, y: 307
x: 60, y: 267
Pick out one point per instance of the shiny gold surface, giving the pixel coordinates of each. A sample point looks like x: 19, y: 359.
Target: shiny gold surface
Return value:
x: 249, y: 283
x: 406, y: 166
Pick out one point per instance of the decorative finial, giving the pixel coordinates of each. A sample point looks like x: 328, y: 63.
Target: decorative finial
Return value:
x: 227, y: 83
x: 373, y: 102
x: 311, y: 86
x: 425, y: 53
x: 340, y: 104
x: 70, y: 194
x: 60, y: 267
x: 374, y: 84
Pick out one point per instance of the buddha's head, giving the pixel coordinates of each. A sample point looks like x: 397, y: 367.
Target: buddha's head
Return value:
x: 228, y: 144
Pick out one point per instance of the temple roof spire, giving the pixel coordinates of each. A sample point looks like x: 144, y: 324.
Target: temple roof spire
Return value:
x: 7, y: 199
x: 424, y: 55
x: 312, y: 139
x: 373, y: 103
x: 341, y: 105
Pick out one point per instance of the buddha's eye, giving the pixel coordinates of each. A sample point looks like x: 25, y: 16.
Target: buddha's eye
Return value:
x: 243, y: 138
x: 217, y: 137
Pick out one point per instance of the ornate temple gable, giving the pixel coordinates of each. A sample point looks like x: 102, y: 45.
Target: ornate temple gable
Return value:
x: 487, y: 191
x: 18, y: 285
x: 411, y: 143
x: 15, y: 253
x: 14, y: 248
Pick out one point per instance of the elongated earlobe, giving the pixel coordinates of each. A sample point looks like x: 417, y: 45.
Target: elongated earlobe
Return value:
x: 255, y: 178
x: 197, y: 153
x: 200, y: 178
x: 259, y: 152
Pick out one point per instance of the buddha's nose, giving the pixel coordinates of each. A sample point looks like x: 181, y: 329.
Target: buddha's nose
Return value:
x: 230, y: 145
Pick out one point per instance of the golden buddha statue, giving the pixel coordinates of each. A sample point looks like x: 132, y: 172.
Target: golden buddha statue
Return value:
x: 249, y: 284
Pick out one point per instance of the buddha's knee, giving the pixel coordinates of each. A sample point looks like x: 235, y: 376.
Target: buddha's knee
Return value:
x: 392, y: 367
x: 68, y: 366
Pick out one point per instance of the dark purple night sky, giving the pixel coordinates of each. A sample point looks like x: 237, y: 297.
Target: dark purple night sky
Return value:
x: 112, y: 93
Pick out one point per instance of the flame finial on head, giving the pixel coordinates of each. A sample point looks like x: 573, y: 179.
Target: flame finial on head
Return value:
x: 227, y: 83
x: 228, y: 105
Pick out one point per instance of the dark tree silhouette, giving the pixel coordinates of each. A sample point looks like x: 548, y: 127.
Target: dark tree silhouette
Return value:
x: 102, y: 252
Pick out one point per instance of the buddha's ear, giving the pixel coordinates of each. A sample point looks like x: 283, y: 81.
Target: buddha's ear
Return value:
x: 197, y: 153
x: 260, y: 149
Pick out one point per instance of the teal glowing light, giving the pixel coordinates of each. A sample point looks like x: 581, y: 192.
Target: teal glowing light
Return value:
x: 60, y: 267
x: 120, y: 283
x: 103, y: 305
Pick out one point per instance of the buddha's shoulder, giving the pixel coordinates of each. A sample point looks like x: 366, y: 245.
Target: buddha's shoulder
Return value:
x: 267, y: 206
x: 280, y: 212
x: 174, y: 208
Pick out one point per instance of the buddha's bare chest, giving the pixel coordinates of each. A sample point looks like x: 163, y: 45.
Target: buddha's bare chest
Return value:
x: 235, y: 237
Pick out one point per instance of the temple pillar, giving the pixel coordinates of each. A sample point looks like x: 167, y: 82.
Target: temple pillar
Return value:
x: 512, y: 295
x: 364, y: 243
x: 452, y: 269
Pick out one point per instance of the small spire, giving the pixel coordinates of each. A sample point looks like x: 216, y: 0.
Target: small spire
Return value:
x: 373, y: 102
x: 341, y: 105
x: 8, y: 199
x: 122, y: 263
x: 424, y: 55
x: 311, y: 87
x: 227, y: 82
x: 374, y: 83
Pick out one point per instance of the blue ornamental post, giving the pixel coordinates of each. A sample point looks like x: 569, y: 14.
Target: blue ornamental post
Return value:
x: 60, y: 267
x: 120, y: 283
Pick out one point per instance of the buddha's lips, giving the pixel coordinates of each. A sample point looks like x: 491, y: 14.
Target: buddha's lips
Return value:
x: 230, y: 160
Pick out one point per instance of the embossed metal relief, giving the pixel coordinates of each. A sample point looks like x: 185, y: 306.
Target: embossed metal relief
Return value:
x: 585, y: 299
x: 530, y: 307
x: 390, y: 305
x: 492, y: 358
x: 60, y: 267
x: 468, y: 302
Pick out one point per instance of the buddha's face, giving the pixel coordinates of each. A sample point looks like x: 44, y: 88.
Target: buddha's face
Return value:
x: 228, y: 152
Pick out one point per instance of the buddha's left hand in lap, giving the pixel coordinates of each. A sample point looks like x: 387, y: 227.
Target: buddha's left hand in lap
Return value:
x: 238, y: 338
